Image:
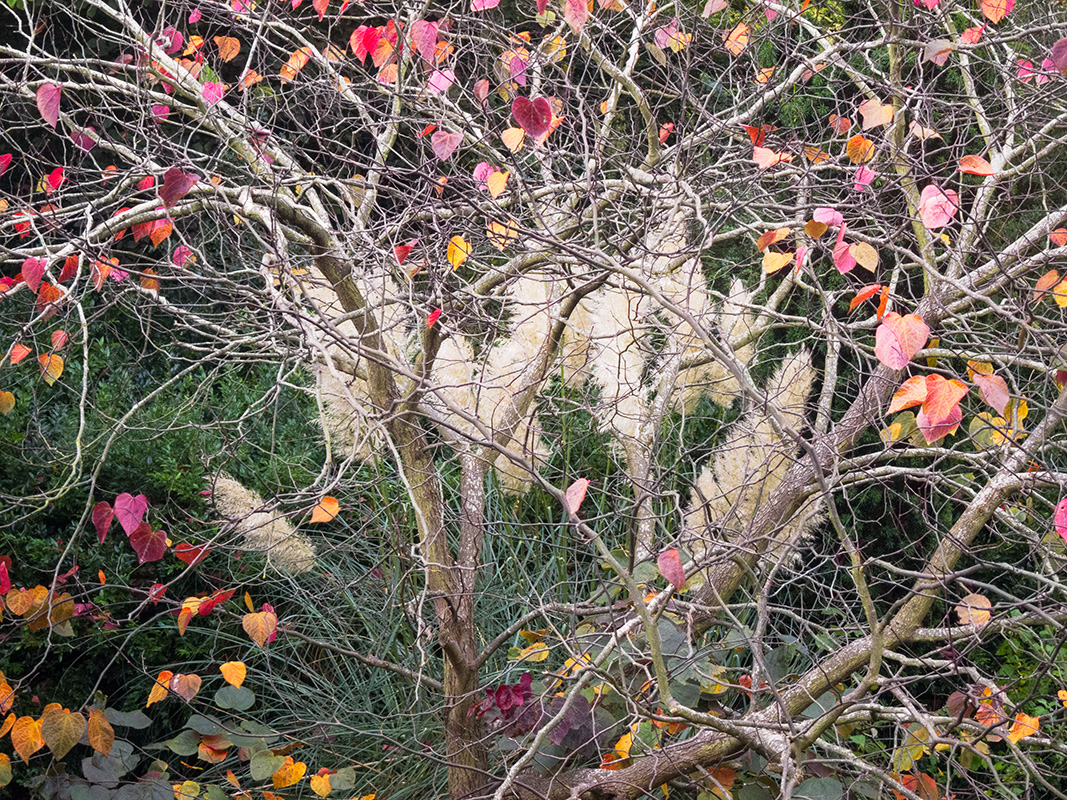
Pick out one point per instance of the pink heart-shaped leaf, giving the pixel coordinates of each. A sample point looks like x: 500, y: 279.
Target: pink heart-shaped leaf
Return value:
x: 575, y: 495
x: 130, y: 511
x: 32, y: 272
x: 533, y: 116
x: 444, y: 144
x: 48, y: 102
x: 670, y: 567
x: 1061, y: 519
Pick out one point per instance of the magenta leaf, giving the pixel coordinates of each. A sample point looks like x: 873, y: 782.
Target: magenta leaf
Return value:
x: 149, y: 545
x: 5, y: 579
x: 180, y: 255
x: 176, y: 184
x: 1061, y: 519
x: 533, y: 116
x: 103, y: 514
x: 670, y: 567
x: 84, y: 138
x: 5, y: 162
x: 130, y: 511
x: 48, y: 102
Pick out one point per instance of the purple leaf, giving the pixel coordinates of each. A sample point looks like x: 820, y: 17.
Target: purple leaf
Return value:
x: 130, y: 511
x: 176, y: 184
x: 48, y: 102
x: 103, y: 514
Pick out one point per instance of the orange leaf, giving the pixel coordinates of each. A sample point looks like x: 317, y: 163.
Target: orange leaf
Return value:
x: 974, y: 610
x: 148, y: 281
x: 771, y: 237
x: 875, y: 113
x: 289, y: 773
x: 996, y: 10
x: 101, y: 734
x: 501, y: 235
x: 942, y: 397
x: 766, y: 158
x: 250, y: 79
x: 261, y: 626
x: 297, y: 61
x: 160, y: 231
x: 815, y: 155
x: 736, y: 40
x: 7, y: 724
x: 865, y: 293
x: 1044, y: 283
x: 233, y: 672
x: 865, y: 255
x: 497, y: 182
x: 975, y: 165
x: 51, y: 367
x: 159, y: 688
x: 911, y: 393
x: 26, y: 737
x: 840, y: 124
x: 883, y: 303
x: 228, y: 46
x: 772, y: 262
x: 815, y: 229
x: 326, y: 510
x: 7, y: 404
x: 513, y: 139
x: 859, y: 149
x: 1022, y: 727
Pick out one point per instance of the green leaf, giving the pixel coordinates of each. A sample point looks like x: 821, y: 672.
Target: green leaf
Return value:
x: 232, y: 697
x: 204, y: 726
x: 185, y: 743
x: 137, y: 720
x: 265, y: 764
x: 819, y: 789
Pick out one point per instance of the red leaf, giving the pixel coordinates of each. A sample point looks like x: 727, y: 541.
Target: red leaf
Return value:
x: 55, y: 179
x: 176, y: 184
x: 149, y: 545
x: 433, y: 317
x: 320, y: 7
x: 575, y: 495
x: 670, y: 567
x: 217, y: 597
x: 48, y: 102
x: 130, y: 511
x: 17, y: 353
x: 898, y: 339
x: 534, y: 116
x: 402, y: 251
x: 5, y: 587
x: 103, y: 514
x: 5, y: 162
x: 190, y: 554
x: 1060, y: 519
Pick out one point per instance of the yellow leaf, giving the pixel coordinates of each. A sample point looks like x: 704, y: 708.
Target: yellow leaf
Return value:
x: 5, y: 769
x: 61, y: 729
x: 536, y: 652
x: 289, y: 773
x: 974, y: 610
x: 459, y: 249
x: 159, y: 688
x: 320, y: 785
x: 513, y: 139
x: 1059, y: 294
x: 51, y: 367
x: 535, y: 636
x: 233, y: 672
x: 498, y: 181
x: 6, y: 726
x: 772, y: 262
x: 622, y: 747
x: 326, y: 510
x: 248, y: 602
x: 1022, y: 727
x: 7, y: 402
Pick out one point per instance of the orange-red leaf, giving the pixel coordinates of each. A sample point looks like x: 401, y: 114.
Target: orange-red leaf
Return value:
x: 1044, y: 283
x: 865, y: 293
x: 911, y: 393
x: 975, y: 165
x: 771, y: 237
x: 1059, y: 237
